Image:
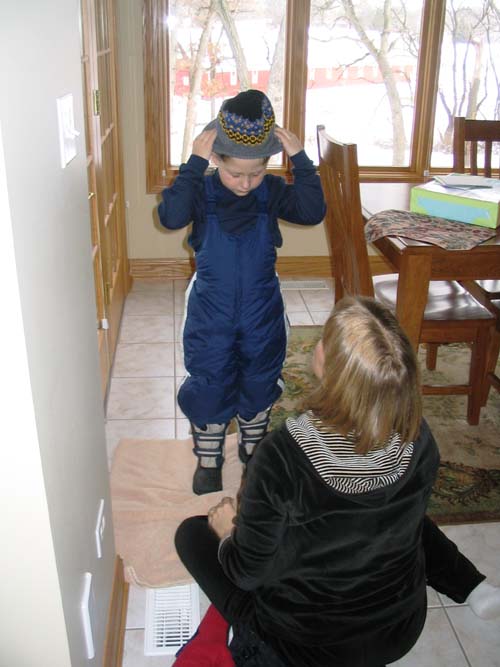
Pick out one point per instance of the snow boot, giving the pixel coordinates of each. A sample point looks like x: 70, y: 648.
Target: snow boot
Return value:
x: 251, y: 433
x: 209, y: 448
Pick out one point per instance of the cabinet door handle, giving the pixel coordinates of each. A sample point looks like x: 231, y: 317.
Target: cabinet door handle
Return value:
x: 91, y: 194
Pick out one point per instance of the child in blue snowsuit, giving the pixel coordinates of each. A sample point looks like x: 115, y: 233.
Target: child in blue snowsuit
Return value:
x: 235, y: 332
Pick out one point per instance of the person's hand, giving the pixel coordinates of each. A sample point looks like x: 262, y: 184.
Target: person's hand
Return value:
x: 290, y: 142
x: 220, y: 517
x: 203, y: 143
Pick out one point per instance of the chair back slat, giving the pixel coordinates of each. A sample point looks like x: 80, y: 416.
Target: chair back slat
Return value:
x: 344, y: 223
x: 468, y: 136
x: 473, y: 157
x: 488, y: 149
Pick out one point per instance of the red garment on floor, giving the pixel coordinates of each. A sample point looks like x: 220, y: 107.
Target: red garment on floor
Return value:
x: 208, y: 646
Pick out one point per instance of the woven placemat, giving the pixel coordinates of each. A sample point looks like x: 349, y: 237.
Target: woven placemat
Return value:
x: 447, y: 234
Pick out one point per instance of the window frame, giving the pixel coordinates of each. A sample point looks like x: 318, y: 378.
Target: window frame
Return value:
x: 160, y: 172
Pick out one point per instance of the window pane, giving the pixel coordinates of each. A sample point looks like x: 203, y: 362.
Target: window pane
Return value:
x: 469, y: 75
x: 216, y: 51
x: 362, y: 69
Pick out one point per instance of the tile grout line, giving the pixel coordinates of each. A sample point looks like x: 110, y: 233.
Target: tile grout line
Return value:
x: 462, y: 648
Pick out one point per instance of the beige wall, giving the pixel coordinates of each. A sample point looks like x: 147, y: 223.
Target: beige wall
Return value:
x: 54, y: 465
x: 27, y: 557
x: 145, y: 238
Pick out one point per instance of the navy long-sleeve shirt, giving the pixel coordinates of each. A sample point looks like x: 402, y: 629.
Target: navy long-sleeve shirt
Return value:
x: 300, y: 202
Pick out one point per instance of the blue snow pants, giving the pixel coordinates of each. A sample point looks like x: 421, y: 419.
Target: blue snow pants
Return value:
x: 234, y: 334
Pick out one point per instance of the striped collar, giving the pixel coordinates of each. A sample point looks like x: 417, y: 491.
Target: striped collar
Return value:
x: 336, y: 461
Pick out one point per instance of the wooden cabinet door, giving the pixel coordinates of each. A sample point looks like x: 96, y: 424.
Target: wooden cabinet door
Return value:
x: 104, y: 166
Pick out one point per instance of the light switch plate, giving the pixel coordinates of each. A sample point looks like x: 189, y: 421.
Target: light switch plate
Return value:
x: 99, y: 528
x: 67, y: 131
x: 87, y: 609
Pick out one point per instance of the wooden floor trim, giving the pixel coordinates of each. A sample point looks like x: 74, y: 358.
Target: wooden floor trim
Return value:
x: 117, y: 618
x: 314, y: 266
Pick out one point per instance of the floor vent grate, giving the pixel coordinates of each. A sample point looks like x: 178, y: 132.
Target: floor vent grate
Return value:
x: 172, y: 617
x: 303, y: 284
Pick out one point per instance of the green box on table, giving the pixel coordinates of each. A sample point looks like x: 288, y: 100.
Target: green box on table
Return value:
x: 477, y: 206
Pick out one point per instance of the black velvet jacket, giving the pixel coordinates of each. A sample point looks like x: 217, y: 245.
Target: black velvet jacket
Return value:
x: 326, y: 567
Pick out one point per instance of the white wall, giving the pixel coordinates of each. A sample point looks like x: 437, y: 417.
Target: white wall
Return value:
x: 54, y: 468
x: 146, y: 239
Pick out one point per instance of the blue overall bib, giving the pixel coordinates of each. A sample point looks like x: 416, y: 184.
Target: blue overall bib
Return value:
x: 234, y: 334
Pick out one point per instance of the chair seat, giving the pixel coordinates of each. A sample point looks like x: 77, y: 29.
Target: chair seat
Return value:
x: 447, y: 300
x: 490, y: 287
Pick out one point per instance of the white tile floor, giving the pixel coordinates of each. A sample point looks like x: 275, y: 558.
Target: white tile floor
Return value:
x: 148, y: 368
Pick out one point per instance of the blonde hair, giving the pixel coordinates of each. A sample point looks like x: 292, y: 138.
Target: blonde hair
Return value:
x: 370, y: 385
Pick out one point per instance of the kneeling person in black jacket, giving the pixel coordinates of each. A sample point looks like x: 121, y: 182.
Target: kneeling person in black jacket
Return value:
x: 327, y: 559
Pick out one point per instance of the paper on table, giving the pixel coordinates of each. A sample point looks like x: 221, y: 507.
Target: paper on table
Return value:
x: 466, y: 181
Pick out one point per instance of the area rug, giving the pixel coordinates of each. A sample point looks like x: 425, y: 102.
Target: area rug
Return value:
x: 151, y: 479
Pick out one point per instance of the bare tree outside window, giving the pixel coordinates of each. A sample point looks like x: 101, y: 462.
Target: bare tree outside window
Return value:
x: 217, y: 49
x: 370, y: 53
x: 373, y: 49
x: 469, y: 77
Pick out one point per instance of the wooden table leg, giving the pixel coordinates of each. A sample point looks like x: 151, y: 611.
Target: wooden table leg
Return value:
x: 413, y: 289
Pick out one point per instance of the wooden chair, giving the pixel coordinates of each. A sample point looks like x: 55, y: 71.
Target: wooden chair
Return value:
x: 452, y: 315
x: 468, y: 136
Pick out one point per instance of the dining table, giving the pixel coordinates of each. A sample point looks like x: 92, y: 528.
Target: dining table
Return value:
x: 418, y: 262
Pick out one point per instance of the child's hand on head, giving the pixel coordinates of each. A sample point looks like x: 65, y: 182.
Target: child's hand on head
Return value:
x: 290, y: 142
x: 203, y: 143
